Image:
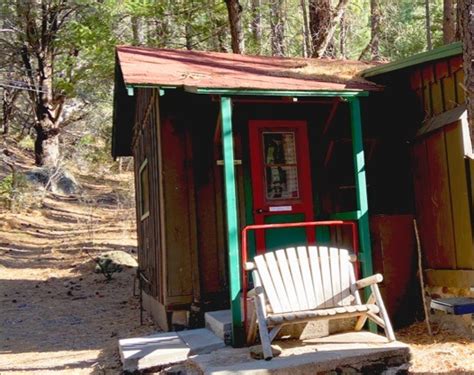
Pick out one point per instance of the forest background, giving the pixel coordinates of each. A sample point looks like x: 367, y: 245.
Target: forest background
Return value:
x: 57, y: 57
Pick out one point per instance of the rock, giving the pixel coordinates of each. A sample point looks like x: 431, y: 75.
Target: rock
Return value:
x: 114, y: 261
x: 65, y: 183
x: 256, y: 351
x: 59, y: 181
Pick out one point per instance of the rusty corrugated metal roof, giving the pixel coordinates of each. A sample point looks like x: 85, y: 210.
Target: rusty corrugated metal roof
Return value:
x: 197, y: 69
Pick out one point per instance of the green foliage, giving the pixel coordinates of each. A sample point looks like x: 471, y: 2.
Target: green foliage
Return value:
x: 404, y: 33
x: 16, y: 193
x: 6, y: 189
x: 85, y: 49
x: 27, y: 143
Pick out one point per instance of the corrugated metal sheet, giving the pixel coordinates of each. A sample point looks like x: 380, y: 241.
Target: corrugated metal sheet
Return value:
x: 196, y: 69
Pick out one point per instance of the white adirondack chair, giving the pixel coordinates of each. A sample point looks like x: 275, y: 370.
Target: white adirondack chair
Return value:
x: 310, y: 283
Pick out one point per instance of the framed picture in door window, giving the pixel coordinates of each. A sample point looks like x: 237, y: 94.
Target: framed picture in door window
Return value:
x: 280, y: 165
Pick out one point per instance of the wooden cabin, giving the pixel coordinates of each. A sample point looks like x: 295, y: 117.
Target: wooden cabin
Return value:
x: 222, y: 142
x: 425, y: 98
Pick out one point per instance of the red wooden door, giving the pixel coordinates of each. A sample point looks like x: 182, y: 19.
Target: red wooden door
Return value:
x: 281, y: 178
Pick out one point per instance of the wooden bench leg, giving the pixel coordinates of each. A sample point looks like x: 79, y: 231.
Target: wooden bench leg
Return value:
x: 263, y: 330
x: 363, y: 318
x: 383, y: 312
x: 252, y: 328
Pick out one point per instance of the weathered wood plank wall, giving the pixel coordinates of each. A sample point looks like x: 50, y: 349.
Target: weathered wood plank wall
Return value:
x: 145, y: 147
x: 181, y: 242
x: 440, y: 179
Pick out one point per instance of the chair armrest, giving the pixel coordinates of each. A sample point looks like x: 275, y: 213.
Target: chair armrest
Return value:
x: 255, y: 291
x: 367, y: 281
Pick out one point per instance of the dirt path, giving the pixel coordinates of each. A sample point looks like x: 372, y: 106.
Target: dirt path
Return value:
x: 56, y: 314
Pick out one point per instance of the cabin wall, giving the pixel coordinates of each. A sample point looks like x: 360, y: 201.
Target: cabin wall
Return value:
x: 440, y: 163
x: 194, y: 262
x: 145, y: 146
x: 441, y: 180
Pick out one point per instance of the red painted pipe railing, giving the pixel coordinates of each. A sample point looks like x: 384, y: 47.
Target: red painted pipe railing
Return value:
x: 244, y: 255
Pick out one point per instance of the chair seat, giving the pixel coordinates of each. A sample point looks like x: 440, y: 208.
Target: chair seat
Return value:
x: 321, y: 313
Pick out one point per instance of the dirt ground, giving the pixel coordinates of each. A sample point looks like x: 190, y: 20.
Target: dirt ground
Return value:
x: 58, y: 316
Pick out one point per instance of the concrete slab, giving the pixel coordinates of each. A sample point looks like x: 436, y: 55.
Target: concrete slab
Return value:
x: 201, y: 341
x: 220, y: 322
x: 161, y: 349
x: 346, y: 352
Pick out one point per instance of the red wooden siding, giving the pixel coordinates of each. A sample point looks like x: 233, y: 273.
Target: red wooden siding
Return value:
x: 145, y: 146
x: 439, y: 85
x: 441, y: 199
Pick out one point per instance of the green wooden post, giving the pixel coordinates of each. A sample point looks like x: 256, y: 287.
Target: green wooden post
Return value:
x: 365, y: 247
x: 232, y: 223
x: 361, y: 187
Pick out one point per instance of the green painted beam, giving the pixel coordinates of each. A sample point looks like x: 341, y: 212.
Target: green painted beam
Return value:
x: 365, y: 247
x: 420, y: 58
x: 232, y: 222
x: 350, y: 215
x: 285, y: 93
x: 361, y: 187
x: 151, y: 86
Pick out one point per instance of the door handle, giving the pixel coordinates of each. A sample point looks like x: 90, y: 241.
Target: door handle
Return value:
x: 260, y: 210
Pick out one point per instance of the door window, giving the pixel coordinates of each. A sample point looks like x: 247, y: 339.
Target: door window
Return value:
x: 280, y: 163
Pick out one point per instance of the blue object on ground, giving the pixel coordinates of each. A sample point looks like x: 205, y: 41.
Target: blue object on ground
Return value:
x: 454, y: 305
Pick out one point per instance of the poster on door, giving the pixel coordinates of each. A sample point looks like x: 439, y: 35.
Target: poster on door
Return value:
x: 281, y: 170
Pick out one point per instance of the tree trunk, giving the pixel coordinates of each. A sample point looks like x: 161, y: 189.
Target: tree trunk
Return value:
x: 214, y: 39
x: 138, y: 34
x: 8, y: 101
x: 343, y: 37
x: 234, y: 10
x: 467, y: 22
x: 256, y: 24
x: 458, y: 20
x: 428, y: 25
x: 375, y: 29
x: 306, y: 31
x: 319, y: 23
x: 277, y: 28
x: 46, y: 144
x: 323, y: 22
x: 449, y: 22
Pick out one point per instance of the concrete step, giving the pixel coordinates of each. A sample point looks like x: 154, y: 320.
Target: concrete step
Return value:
x: 164, y: 349
x: 347, y: 353
x: 220, y: 323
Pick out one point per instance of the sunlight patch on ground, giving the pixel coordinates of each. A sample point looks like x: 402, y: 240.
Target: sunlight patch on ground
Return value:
x: 78, y: 361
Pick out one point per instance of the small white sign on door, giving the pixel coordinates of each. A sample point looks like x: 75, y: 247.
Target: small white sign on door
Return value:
x: 280, y: 208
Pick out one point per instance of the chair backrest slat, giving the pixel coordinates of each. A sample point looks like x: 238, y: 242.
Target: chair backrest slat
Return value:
x: 297, y: 278
x: 345, y: 265
x: 306, y: 278
x: 316, y: 274
x: 335, y: 275
x: 326, y: 276
x: 277, y: 281
x: 287, y: 279
x: 268, y: 284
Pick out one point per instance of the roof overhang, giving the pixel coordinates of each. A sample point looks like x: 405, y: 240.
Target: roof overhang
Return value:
x: 221, y: 74
x: 421, y: 58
